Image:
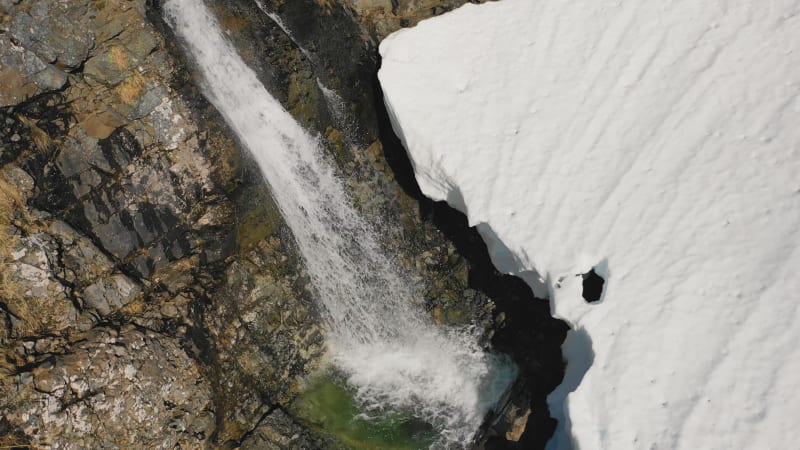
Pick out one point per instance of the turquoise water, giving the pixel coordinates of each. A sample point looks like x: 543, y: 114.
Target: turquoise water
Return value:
x: 328, y: 406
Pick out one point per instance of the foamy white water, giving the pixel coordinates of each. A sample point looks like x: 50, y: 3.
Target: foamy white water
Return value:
x: 392, y: 354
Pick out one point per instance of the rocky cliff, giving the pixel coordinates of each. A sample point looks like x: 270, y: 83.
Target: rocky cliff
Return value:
x: 150, y: 294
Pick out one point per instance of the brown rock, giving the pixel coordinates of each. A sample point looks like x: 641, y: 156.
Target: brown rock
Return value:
x: 154, y: 397
x: 518, y: 426
x: 15, y: 87
x: 101, y: 125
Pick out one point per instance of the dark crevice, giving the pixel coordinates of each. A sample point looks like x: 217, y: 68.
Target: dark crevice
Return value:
x: 529, y: 334
x: 199, y: 347
x: 271, y: 409
x: 592, y: 286
x: 76, y: 400
x: 11, y: 437
x: 69, y: 290
x: 32, y: 365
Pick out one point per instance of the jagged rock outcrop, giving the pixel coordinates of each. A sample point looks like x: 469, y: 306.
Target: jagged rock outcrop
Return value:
x: 381, y: 17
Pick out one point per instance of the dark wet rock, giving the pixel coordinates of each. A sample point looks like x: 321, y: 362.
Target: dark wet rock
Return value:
x: 269, y: 338
x: 592, y: 286
x: 277, y: 431
x: 25, y: 132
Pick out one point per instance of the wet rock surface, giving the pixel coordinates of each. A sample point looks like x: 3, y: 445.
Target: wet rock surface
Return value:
x: 277, y: 431
x: 150, y: 293
x: 341, y: 105
x: 444, y: 256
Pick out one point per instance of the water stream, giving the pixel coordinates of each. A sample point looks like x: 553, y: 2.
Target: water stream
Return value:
x: 389, y: 351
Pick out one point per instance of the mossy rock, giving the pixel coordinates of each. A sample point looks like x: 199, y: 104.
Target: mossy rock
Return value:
x: 303, y: 102
x: 336, y: 139
x: 259, y: 220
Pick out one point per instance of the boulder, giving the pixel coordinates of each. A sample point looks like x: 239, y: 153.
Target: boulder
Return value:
x: 23, y: 74
x: 56, y: 31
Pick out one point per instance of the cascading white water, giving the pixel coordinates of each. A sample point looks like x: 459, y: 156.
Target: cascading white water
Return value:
x: 391, y: 353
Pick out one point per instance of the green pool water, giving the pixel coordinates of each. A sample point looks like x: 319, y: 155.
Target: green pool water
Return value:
x: 328, y: 406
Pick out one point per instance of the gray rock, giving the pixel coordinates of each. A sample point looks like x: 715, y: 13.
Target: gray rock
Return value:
x: 144, y: 180
x: 19, y: 178
x: 23, y: 74
x: 56, y: 31
x: 33, y: 293
x: 278, y: 431
x: 110, y: 294
x: 110, y: 67
x: 72, y: 159
x: 141, y: 44
x: 154, y: 95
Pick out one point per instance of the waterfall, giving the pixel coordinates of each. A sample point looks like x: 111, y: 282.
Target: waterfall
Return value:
x: 393, y: 356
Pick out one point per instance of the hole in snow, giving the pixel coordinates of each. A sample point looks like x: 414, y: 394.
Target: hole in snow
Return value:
x: 592, y: 286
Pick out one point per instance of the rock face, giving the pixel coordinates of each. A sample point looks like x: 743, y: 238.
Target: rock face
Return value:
x: 123, y: 388
x: 140, y: 299
x: 150, y: 294
x: 381, y: 17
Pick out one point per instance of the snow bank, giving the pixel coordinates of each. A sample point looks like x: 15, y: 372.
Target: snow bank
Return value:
x: 659, y: 141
